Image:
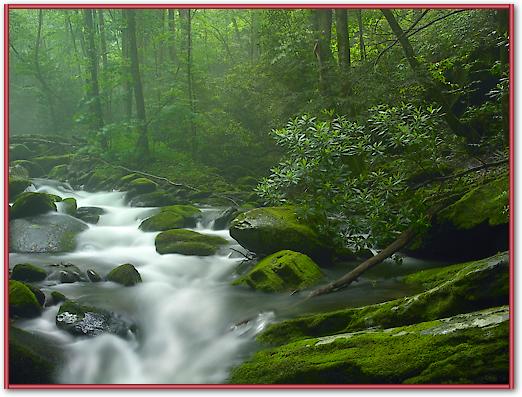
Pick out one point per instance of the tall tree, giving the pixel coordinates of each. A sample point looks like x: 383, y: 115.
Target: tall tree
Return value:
x: 343, y: 38
x: 105, y: 62
x: 126, y: 67
x: 322, y: 20
x: 362, y: 46
x: 93, y: 84
x: 172, y: 35
x: 433, y: 90
x: 142, y: 145
x: 190, y: 77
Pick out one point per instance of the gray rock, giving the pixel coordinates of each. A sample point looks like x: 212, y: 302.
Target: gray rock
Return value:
x: 93, y: 276
x: 89, y: 214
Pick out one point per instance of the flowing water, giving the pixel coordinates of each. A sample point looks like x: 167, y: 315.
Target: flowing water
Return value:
x: 185, y: 310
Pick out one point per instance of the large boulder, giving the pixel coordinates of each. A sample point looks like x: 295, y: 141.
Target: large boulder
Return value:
x: 49, y: 162
x: 83, y: 320
x: 34, y: 170
x: 33, y: 359
x: 22, y: 301
x: 475, y: 226
x: 28, y: 272
x: 158, y: 198
x: 171, y: 217
x: 89, y: 214
x: 49, y: 233
x: 282, y: 271
x: 31, y: 203
x: 469, y: 348
x: 449, y: 290
x: 59, y: 172
x: 126, y: 275
x: 272, y: 229
x: 17, y: 186
x: 141, y: 186
x: 18, y: 171
x: 187, y: 242
x: 225, y: 217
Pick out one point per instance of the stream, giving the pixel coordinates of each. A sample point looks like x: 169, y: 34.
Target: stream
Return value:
x: 185, y: 309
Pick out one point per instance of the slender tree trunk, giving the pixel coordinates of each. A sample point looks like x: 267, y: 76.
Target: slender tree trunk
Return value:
x: 94, y: 90
x: 362, y: 47
x: 105, y: 62
x: 47, y: 91
x: 73, y: 41
x: 343, y: 39
x: 126, y: 70
x: 172, y: 37
x: 323, y: 27
x: 432, y: 89
x: 190, y: 82
x: 142, y: 147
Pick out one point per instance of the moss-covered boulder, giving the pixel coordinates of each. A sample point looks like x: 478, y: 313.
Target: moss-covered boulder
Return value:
x: 282, y: 271
x: 28, y: 272
x: 33, y: 359
x: 84, y: 320
x: 45, y: 233
x: 34, y: 169
x: 464, y: 349
x: 158, y: 198
x: 102, y: 176
x: 31, y: 203
x: 57, y: 297
x: 142, y: 185
x: 225, y: 217
x: 17, y: 186
x: 22, y: 301
x: 17, y: 171
x: 126, y: 275
x: 68, y: 206
x: 49, y: 162
x: 171, y: 217
x: 187, y: 242
x: 272, y: 229
x: 475, y: 226
x: 20, y: 152
x: 59, y: 172
x: 449, y: 290
x: 127, y: 179
x: 89, y: 214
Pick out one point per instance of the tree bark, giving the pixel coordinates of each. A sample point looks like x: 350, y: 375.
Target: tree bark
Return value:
x: 105, y: 62
x: 142, y: 146
x: 190, y: 76
x: 433, y: 91
x: 172, y: 36
x: 343, y: 39
x: 94, y: 90
x: 362, y: 47
x: 322, y: 20
x: 126, y: 69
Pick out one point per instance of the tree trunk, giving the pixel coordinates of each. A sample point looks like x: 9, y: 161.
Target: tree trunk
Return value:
x: 322, y: 19
x: 190, y: 87
x: 94, y: 90
x: 126, y: 71
x: 142, y: 146
x: 73, y: 41
x: 433, y: 91
x: 343, y: 39
x: 172, y: 36
x: 105, y: 62
x: 362, y: 47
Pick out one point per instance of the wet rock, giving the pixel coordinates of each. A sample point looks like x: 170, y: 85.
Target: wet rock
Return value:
x: 17, y: 171
x: 187, y: 242
x: 159, y: 198
x: 464, y: 349
x: 34, y: 170
x: 282, y: 271
x: 272, y: 229
x: 141, y: 186
x: 225, y: 217
x: 93, y: 276
x: 59, y: 172
x: 17, y: 186
x: 89, y: 214
x: 126, y: 275
x: 33, y: 359
x: 22, y: 301
x: 39, y: 295
x: 68, y: 205
x: 172, y: 217
x: 47, y: 163
x: 83, y: 320
x: 31, y: 203
x: 66, y: 273
x: 19, y: 152
x: 44, y: 233
x: 28, y: 272
x: 57, y: 297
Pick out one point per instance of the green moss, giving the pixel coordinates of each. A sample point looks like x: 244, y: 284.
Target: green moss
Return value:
x: 125, y: 274
x: 187, y: 242
x: 58, y: 297
x: 28, y: 272
x: 49, y: 162
x: 472, y: 348
x: 22, y: 301
x: 143, y: 185
x: 457, y: 289
x: 486, y: 203
x: 34, y: 169
x: 69, y: 206
x: 17, y: 186
x: 272, y: 229
x: 171, y: 217
x: 31, y: 204
x: 59, y: 172
x: 282, y: 271
x: 125, y: 180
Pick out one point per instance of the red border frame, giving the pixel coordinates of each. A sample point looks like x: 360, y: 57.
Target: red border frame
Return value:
x: 510, y: 385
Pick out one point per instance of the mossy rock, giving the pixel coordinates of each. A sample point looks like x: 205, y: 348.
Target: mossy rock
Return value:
x: 171, y: 217
x: 282, y: 271
x: 59, y: 172
x: 102, y: 177
x: 470, y: 348
x: 127, y: 179
x: 158, y: 198
x: 17, y: 171
x: 58, y: 297
x: 142, y: 185
x: 272, y: 229
x: 39, y: 295
x: 450, y: 290
x: 84, y: 320
x: 17, y: 186
x: 187, y: 242
x: 126, y: 275
x: 22, y: 301
x: 31, y: 203
x: 33, y: 359
x: 89, y: 214
x: 34, y: 169
x: 20, y: 152
x: 49, y: 162
x: 69, y: 206
x: 28, y: 272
